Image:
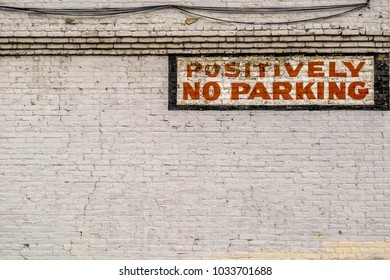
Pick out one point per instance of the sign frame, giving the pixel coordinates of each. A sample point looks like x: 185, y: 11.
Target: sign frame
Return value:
x: 381, y: 86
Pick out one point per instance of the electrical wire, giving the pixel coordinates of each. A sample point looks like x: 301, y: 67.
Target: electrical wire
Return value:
x: 270, y: 23
x: 193, y: 10
x: 269, y: 9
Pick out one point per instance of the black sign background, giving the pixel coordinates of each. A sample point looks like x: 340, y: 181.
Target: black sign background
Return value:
x: 381, y: 88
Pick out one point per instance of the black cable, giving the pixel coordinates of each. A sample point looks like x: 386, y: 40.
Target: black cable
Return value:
x: 268, y: 9
x: 83, y: 12
x: 190, y: 10
x: 110, y: 11
x: 270, y: 23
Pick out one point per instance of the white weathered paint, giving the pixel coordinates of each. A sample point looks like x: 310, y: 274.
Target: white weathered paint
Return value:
x: 93, y: 165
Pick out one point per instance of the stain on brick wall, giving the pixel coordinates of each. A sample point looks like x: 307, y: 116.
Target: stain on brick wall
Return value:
x: 329, y: 251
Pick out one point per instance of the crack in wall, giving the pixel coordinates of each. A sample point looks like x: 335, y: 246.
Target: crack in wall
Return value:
x: 89, y: 199
x: 94, y: 167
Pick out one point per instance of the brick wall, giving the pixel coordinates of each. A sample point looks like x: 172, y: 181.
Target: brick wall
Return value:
x: 166, y: 31
x: 93, y: 165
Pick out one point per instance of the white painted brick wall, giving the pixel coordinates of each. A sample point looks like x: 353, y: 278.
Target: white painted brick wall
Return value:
x: 94, y: 166
x: 369, y: 19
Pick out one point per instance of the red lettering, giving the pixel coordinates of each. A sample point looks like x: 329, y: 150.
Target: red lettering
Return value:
x: 213, y: 74
x: 262, y: 69
x: 277, y: 70
x: 354, y: 70
x: 232, y: 70
x: 193, y: 67
x: 335, y: 90
x: 216, y: 92
x: 259, y: 90
x: 301, y: 91
x: 247, y: 70
x: 282, y: 89
x: 189, y: 91
x: 361, y: 92
x: 315, y: 69
x: 320, y: 90
x: 239, y: 88
x: 332, y: 71
x: 293, y: 72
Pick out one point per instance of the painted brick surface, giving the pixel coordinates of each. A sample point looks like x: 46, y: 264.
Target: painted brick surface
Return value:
x: 373, y: 17
x: 284, y: 80
x: 94, y: 166
x: 170, y: 31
